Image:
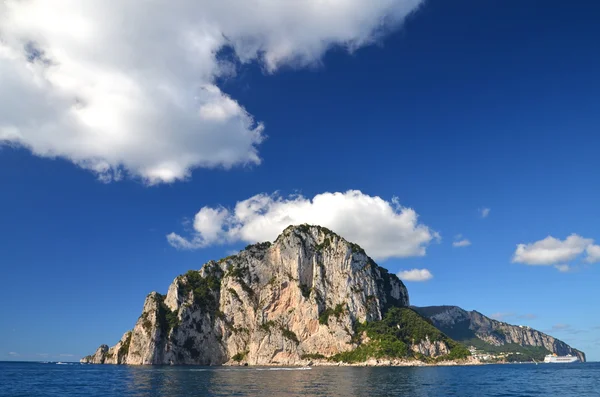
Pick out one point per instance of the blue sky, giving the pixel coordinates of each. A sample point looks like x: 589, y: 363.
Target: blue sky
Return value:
x: 467, y: 105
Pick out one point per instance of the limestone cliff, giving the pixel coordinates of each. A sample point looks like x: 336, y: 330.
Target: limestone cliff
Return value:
x: 466, y: 326
x: 270, y: 304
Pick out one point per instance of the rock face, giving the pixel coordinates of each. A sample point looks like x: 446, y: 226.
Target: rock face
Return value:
x: 270, y: 304
x: 465, y: 325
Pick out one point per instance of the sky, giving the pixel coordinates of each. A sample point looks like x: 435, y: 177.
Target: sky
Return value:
x: 456, y: 141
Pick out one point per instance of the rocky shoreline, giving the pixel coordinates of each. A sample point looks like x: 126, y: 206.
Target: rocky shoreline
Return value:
x: 369, y: 363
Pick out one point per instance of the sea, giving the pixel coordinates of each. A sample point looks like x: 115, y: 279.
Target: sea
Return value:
x: 74, y: 379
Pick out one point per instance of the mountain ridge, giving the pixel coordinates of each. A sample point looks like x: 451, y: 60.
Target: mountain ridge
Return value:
x: 464, y: 326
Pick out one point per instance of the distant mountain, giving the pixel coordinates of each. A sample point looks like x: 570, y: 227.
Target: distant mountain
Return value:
x: 473, y: 328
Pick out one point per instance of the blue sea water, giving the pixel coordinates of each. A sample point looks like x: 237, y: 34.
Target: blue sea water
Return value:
x: 37, y: 379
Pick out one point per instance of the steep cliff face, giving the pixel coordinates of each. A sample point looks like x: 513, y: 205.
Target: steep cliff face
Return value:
x: 465, y: 325
x: 270, y: 304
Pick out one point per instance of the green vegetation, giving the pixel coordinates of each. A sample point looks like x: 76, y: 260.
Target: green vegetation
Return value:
x: 305, y: 289
x: 234, y: 293
x: 337, y: 312
x: 166, y: 318
x: 289, y: 335
x: 146, y: 323
x: 240, y: 356
x: 205, y: 289
x: 124, y: 350
x: 515, y: 352
x: 313, y: 356
x: 268, y: 325
x: 240, y: 274
x: 259, y: 246
x: 392, y: 336
x: 326, y: 243
x: 238, y: 330
x: 356, y: 249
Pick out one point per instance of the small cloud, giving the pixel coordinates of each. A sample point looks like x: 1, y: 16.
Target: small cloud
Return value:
x: 593, y: 253
x: 527, y: 316
x: 461, y: 243
x: 66, y: 355
x: 484, y: 212
x: 416, y: 275
x: 566, y: 328
x: 551, y: 251
x: 560, y: 327
x: 563, y: 268
x: 14, y: 354
x: 502, y: 315
x: 43, y: 354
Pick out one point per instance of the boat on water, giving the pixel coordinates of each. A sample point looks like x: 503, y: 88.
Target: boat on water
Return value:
x: 555, y: 359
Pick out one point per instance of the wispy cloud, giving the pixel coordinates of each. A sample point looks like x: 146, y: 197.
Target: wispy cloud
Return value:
x: 563, y: 268
x: 461, y: 241
x: 501, y: 316
x: 14, y: 354
x: 565, y: 328
x: 66, y: 355
x: 415, y: 275
x: 527, y: 316
x: 484, y: 212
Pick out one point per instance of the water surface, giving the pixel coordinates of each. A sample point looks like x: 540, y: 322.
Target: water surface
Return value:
x: 36, y: 379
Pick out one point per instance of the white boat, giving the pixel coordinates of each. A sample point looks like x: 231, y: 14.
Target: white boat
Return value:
x: 553, y: 358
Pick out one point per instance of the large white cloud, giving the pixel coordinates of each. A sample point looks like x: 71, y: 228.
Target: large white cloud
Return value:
x: 124, y: 85
x: 552, y: 251
x: 383, y: 228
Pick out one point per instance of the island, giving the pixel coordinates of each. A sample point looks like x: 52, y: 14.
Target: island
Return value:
x: 311, y: 298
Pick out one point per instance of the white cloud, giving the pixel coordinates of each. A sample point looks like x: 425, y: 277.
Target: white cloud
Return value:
x: 66, y: 355
x: 416, y: 275
x: 593, y: 253
x: 13, y: 354
x: 461, y: 243
x: 552, y: 251
x: 563, y: 268
x: 384, y: 229
x: 121, y: 88
x: 484, y: 212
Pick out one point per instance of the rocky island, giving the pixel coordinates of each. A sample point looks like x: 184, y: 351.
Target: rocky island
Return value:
x: 310, y: 297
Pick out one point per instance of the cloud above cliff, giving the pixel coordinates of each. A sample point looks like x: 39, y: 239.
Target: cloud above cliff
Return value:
x: 415, y: 275
x: 484, y: 212
x: 124, y: 89
x: 558, y: 253
x: 383, y: 228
